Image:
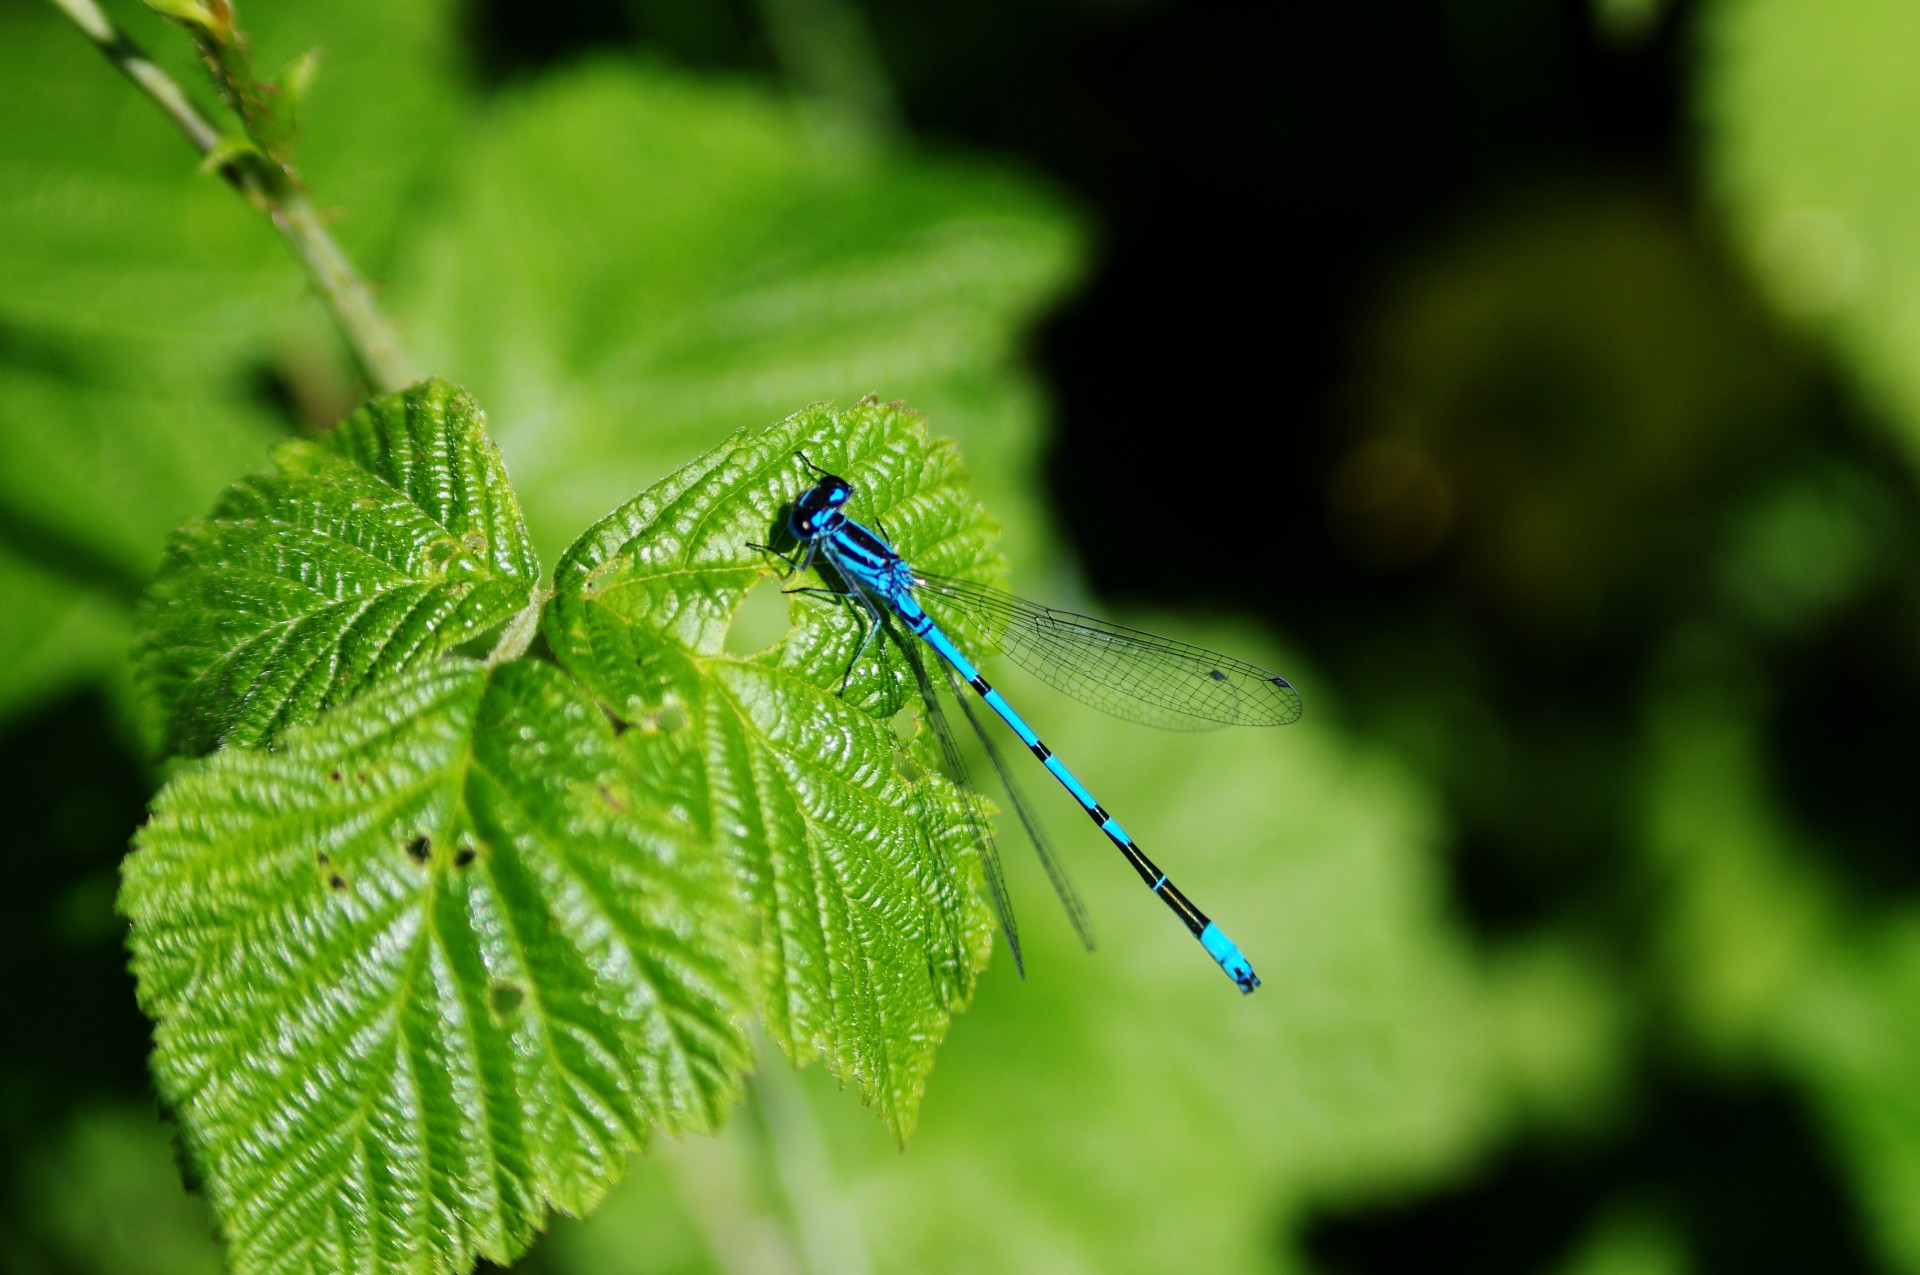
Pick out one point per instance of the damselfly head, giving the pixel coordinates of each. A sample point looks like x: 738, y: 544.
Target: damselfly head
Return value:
x: 818, y: 511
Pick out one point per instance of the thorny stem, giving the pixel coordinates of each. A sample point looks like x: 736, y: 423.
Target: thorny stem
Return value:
x: 369, y: 336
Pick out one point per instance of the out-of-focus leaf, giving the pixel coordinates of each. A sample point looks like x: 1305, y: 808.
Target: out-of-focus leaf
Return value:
x: 391, y: 539
x: 109, y: 467
x: 1805, y: 549
x: 137, y: 300
x: 428, y: 969
x: 862, y: 884
x: 105, y: 232
x: 1082, y: 1094
x: 1537, y: 403
x: 94, y: 473
x: 1768, y: 956
x: 51, y: 633
x: 1749, y: 911
x: 630, y: 263
x: 1854, y: 1035
x: 1809, y: 117
x: 1626, y: 1242
x: 106, y: 1200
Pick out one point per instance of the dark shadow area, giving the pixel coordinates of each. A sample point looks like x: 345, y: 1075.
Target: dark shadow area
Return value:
x: 73, y: 799
x: 1836, y: 767
x: 516, y: 41
x: 509, y: 42
x: 1739, y: 1174
x: 1285, y: 178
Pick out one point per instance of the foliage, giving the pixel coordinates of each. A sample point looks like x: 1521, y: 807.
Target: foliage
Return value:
x: 1809, y: 121
x: 628, y: 263
x: 390, y: 540
x: 717, y: 267
x: 432, y: 944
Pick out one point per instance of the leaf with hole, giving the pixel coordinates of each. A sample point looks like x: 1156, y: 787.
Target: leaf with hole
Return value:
x: 862, y: 882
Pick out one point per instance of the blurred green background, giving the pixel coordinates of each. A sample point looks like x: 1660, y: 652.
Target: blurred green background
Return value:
x: 1540, y: 382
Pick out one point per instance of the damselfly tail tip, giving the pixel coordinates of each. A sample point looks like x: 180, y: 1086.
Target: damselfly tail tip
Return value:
x: 1237, y: 966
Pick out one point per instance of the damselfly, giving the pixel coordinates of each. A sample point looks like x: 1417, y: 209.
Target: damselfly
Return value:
x: 1123, y: 671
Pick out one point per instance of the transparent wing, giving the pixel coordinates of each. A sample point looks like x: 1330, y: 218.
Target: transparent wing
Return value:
x: 956, y: 768
x: 1056, y: 870
x: 1137, y: 676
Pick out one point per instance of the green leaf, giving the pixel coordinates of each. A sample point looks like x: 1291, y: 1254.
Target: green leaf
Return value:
x: 1810, y: 117
x: 392, y: 539
x: 427, y: 969
x: 870, y: 928
x: 1854, y: 1038
x: 292, y: 84
x: 1771, y: 952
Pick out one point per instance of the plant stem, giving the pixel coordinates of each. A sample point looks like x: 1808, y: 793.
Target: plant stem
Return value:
x: 370, y: 338
x: 823, y: 1225
x: 369, y: 335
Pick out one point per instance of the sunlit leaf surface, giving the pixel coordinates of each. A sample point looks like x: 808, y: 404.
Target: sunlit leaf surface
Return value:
x: 429, y: 969
x: 869, y: 929
x: 389, y: 540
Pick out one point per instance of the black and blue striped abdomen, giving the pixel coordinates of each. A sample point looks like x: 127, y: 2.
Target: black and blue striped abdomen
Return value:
x: 871, y: 566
